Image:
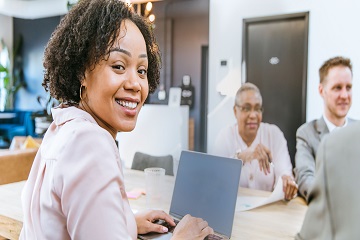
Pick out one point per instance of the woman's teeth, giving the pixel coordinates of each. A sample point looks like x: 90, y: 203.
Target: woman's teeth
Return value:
x: 130, y: 105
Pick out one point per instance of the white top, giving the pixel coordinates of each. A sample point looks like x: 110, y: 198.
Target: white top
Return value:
x: 229, y: 142
x: 75, y: 189
x: 332, y: 126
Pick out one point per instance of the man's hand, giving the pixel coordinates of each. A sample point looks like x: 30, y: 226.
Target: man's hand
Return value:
x: 290, y: 187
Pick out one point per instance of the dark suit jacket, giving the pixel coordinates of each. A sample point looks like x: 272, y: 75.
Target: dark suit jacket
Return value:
x: 334, y: 210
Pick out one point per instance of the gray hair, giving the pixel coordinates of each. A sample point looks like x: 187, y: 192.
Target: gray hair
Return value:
x: 246, y: 87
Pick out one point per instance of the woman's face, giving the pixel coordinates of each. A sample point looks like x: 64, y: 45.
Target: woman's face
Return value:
x: 116, y: 88
x: 248, y: 113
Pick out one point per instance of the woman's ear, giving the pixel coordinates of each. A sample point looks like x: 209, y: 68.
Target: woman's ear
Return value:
x: 83, y: 81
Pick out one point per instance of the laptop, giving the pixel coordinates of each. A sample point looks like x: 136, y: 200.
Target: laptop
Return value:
x: 206, y: 186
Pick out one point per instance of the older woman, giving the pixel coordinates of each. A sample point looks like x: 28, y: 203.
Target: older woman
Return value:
x: 261, y: 146
x: 100, y: 62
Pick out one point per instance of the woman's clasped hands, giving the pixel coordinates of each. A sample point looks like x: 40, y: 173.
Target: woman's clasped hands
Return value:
x: 261, y: 153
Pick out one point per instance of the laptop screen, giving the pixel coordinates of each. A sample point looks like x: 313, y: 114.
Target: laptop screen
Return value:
x: 206, y: 186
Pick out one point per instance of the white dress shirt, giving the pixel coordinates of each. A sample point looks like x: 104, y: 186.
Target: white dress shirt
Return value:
x: 332, y: 126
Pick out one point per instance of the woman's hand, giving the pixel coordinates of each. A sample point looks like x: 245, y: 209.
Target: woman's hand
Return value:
x: 261, y: 153
x: 290, y: 187
x: 144, y: 221
x: 192, y: 228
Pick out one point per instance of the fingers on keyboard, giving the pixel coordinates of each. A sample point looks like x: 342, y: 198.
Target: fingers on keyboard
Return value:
x: 213, y: 237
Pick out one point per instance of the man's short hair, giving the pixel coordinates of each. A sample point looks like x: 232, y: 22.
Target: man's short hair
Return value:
x: 333, y: 62
x: 246, y: 87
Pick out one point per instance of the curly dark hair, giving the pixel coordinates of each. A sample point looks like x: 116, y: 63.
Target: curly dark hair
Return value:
x: 83, y: 38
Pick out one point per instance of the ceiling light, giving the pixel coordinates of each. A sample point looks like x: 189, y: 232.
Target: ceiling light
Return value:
x: 148, y: 6
x: 151, y: 18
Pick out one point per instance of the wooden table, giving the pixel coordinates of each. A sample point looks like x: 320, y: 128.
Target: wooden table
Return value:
x: 279, y: 220
x: 10, y: 210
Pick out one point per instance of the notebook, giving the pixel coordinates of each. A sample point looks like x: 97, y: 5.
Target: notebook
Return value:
x: 206, y: 186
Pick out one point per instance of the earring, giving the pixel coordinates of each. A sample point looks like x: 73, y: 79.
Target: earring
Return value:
x: 81, y: 92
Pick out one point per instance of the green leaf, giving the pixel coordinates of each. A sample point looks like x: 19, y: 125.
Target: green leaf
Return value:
x: 6, y: 82
x: 3, y: 69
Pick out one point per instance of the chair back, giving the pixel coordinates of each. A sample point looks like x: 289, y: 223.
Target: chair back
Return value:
x: 143, y: 160
x: 20, y: 125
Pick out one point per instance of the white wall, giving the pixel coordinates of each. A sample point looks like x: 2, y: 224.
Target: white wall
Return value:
x: 6, y: 31
x: 160, y: 130
x: 333, y: 30
x: 33, y: 9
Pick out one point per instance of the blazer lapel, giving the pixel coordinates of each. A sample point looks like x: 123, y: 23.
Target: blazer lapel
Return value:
x: 321, y: 127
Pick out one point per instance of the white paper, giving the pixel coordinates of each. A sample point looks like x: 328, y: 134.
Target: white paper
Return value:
x: 244, y: 203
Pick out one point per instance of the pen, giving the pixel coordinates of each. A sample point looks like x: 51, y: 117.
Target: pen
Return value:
x: 271, y: 163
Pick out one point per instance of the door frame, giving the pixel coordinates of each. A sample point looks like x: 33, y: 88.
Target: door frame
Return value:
x: 204, y: 97
x: 304, y: 15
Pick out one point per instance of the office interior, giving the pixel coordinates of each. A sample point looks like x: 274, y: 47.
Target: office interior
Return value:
x: 202, y: 39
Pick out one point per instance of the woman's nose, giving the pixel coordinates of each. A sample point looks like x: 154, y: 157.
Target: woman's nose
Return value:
x: 132, y: 82
x: 253, y: 113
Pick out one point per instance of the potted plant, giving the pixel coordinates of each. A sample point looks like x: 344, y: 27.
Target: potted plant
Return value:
x: 4, y: 74
x: 43, y: 118
x: 10, y: 81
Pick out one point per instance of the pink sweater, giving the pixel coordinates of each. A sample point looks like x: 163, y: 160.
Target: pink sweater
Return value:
x: 76, y: 186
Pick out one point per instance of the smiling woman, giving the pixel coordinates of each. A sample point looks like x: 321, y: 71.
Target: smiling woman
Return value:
x: 114, y: 90
x: 261, y: 146
x: 100, y: 63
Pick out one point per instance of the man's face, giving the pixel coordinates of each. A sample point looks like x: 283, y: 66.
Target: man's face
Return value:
x: 336, y: 92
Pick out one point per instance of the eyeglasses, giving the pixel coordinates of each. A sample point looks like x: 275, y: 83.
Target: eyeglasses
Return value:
x: 248, y: 109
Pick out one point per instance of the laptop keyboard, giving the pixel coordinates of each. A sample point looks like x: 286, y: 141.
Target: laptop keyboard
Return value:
x: 213, y: 237
x: 167, y: 225
x: 171, y: 229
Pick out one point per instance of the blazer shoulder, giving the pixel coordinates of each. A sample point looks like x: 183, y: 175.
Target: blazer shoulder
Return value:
x: 308, y: 126
x: 351, y: 120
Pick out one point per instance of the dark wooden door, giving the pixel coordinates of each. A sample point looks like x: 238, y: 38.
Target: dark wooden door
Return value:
x: 275, y: 59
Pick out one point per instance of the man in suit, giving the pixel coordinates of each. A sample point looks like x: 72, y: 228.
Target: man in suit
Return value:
x: 335, y: 89
x: 334, y: 210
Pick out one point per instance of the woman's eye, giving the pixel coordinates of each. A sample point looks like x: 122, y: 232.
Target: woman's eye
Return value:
x: 142, y: 71
x: 119, y: 67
